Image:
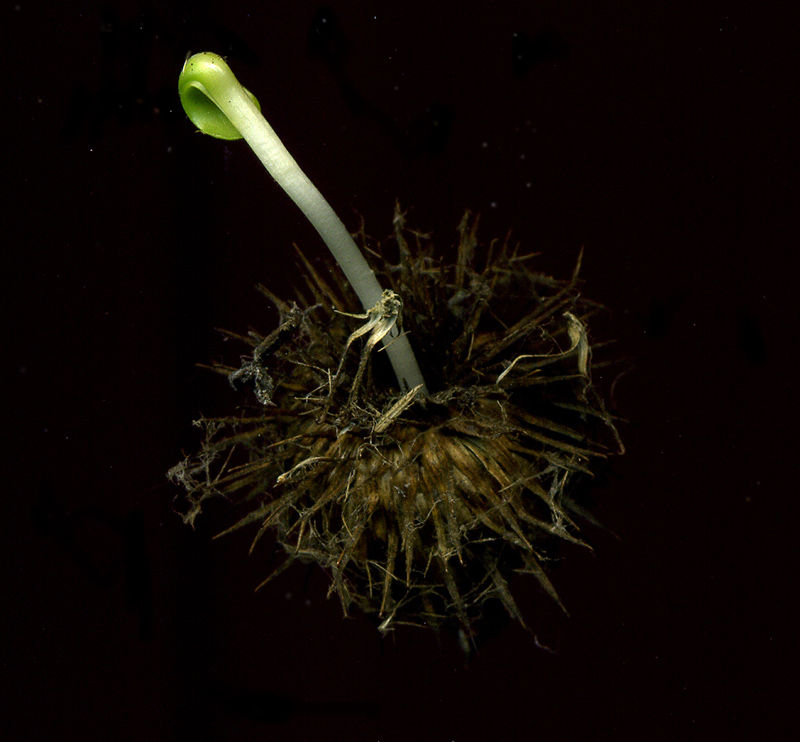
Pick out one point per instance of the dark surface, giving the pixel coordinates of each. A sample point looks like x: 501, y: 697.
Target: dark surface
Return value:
x: 660, y: 136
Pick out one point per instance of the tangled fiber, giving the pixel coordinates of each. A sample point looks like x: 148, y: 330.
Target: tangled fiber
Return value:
x: 419, y: 507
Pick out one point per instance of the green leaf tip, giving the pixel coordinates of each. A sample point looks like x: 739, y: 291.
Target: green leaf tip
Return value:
x: 205, y: 83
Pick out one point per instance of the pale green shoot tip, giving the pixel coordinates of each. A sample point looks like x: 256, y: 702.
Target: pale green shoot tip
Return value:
x: 205, y: 83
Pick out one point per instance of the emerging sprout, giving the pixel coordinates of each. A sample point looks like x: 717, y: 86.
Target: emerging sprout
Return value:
x: 221, y: 107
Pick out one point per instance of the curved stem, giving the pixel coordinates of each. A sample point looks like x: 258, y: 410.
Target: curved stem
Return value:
x: 206, y: 80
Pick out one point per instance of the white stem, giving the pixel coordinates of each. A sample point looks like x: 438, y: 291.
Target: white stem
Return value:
x: 245, y: 116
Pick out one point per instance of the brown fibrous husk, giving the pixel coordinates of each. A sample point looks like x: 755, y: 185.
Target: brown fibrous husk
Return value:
x: 420, y: 507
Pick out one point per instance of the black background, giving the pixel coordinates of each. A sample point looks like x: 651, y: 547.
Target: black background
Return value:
x: 661, y: 136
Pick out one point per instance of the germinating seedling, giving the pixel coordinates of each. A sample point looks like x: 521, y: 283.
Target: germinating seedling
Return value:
x: 420, y: 513
x: 220, y: 106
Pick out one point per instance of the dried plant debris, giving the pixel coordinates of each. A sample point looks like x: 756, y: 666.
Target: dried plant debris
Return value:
x: 420, y: 508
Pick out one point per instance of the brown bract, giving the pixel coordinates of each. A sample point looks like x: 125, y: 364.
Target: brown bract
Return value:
x: 420, y: 508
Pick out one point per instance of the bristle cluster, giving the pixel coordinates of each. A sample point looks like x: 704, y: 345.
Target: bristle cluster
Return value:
x: 419, y: 508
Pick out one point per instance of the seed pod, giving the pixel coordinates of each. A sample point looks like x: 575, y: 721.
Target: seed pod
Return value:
x: 419, y: 507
